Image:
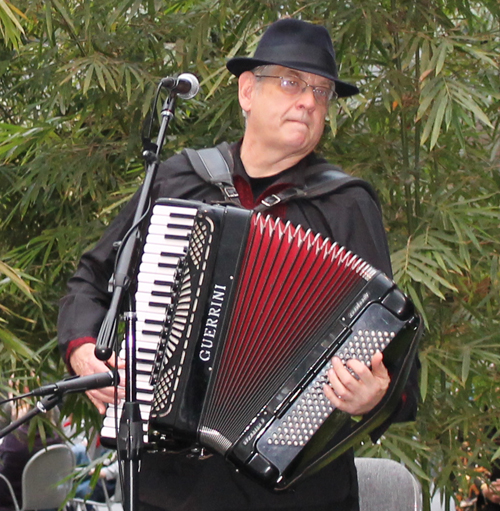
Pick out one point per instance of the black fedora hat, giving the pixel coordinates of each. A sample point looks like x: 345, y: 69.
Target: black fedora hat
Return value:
x: 298, y: 45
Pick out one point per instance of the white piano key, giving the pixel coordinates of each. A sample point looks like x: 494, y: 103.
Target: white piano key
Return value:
x: 158, y: 258
x: 159, y: 316
x: 170, y: 229
x: 145, y: 408
x: 155, y: 269
x: 143, y: 378
x: 152, y: 278
x: 151, y: 341
x: 144, y: 307
x: 157, y: 236
x: 153, y: 289
x: 162, y: 210
x: 146, y: 356
x: 144, y: 367
x: 155, y: 305
x: 154, y: 330
x: 149, y: 298
x: 143, y: 386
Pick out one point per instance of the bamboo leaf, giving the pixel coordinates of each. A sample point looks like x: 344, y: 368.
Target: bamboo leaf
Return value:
x: 412, y: 466
x: 128, y: 84
x: 16, y: 279
x: 88, y: 78
x: 14, y: 345
x: 466, y: 363
x: 424, y: 378
x: 100, y: 75
x: 468, y: 103
x: 496, y: 455
x: 444, y: 368
x: 441, y: 56
x: 109, y: 77
x: 442, y: 105
x: 9, y: 12
x: 48, y: 22
x: 65, y: 14
x: 368, y: 28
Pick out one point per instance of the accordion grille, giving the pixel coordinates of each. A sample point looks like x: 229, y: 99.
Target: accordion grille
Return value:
x: 187, y: 303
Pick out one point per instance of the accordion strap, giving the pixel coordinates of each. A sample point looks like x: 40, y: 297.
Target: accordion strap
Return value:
x: 215, y: 165
x: 322, y: 179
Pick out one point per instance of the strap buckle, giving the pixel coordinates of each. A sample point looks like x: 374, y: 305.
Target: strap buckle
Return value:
x: 271, y: 201
x: 230, y: 192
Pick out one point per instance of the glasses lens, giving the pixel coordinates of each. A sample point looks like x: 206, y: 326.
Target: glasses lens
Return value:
x: 292, y: 86
x: 322, y: 94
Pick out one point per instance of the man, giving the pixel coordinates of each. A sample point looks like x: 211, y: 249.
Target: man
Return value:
x: 284, y: 92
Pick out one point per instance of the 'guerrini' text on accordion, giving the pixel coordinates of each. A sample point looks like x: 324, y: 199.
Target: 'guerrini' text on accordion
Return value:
x: 247, y: 329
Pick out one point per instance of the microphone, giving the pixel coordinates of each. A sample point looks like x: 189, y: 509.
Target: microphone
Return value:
x: 186, y: 85
x: 78, y: 384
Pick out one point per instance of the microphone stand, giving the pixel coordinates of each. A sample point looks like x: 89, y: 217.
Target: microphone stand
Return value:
x: 130, y: 441
x: 43, y: 406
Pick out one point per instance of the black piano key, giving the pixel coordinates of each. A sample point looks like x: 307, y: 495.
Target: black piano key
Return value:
x: 171, y: 254
x: 162, y: 283
x: 167, y: 294
x: 153, y: 322
x: 189, y: 216
x: 150, y: 332
x: 157, y: 304
x: 167, y: 265
x: 176, y: 226
x: 146, y: 350
x: 182, y: 237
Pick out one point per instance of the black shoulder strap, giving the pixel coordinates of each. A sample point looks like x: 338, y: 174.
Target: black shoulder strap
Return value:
x: 215, y: 166
x: 322, y: 179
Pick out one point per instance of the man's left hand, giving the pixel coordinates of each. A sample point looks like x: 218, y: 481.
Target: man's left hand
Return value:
x: 360, y: 392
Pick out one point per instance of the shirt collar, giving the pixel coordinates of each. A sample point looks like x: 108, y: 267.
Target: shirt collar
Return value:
x: 294, y: 175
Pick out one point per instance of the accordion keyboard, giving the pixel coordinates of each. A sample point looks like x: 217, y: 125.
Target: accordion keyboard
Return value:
x: 166, y: 243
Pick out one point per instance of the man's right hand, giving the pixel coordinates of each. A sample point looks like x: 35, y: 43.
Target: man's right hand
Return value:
x: 84, y: 362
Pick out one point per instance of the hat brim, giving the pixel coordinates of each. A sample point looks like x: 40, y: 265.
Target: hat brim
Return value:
x: 239, y: 65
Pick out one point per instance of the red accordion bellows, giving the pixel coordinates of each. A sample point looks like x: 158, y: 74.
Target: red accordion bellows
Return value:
x: 290, y: 282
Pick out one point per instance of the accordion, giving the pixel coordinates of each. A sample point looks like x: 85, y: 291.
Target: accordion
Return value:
x: 238, y: 316
x: 258, y: 309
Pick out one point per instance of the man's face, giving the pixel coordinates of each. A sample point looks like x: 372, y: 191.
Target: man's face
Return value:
x: 289, y: 123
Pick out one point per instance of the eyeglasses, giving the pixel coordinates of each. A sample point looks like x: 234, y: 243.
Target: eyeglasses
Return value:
x: 295, y: 86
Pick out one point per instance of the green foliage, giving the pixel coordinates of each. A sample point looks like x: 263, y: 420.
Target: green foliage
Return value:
x: 10, y: 27
x: 77, y: 79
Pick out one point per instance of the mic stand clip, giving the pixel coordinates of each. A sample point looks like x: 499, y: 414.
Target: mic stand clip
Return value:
x: 42, y: 406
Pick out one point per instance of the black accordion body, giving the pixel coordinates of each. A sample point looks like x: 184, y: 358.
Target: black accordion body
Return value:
x: 260, y: 307
x: 242, y: 333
